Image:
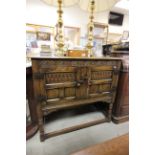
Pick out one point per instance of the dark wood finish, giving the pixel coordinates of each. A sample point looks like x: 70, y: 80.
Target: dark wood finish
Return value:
x: 31, y: 128
x: 121, y: 106
x: 70, y: 82
x: 116, y: 146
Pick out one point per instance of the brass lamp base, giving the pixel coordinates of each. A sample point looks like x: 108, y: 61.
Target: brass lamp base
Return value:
x: 90, y: 29
x: 60, y: 49
x: 90, y: 49
x: 60, y: 38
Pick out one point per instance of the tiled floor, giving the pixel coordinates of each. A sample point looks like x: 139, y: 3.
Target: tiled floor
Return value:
x: 74, y: 141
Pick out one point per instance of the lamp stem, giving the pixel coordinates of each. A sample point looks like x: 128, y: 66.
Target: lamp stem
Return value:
x: 90, y: 28
x: 60, y: 37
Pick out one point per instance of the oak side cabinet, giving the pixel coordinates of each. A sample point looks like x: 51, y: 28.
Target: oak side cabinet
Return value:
x: 61, y: 83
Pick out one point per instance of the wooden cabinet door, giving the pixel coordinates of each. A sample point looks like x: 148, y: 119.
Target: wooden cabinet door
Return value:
x: 103, y: 81
x: 60, y: 84
x: 63, y: 84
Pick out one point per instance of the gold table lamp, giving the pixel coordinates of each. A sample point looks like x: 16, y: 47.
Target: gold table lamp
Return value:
x: 60, y: 35
x: 89, y: 5
x: 59, y: 38
x: 90, y: 29
x: 94, y: 6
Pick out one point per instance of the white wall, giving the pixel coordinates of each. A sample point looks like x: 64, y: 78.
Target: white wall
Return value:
x: 37, y: 12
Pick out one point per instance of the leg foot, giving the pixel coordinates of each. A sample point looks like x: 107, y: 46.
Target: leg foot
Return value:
x: 42, y: 137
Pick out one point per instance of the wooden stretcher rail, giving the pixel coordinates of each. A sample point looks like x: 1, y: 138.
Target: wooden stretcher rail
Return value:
x: 74, y: 128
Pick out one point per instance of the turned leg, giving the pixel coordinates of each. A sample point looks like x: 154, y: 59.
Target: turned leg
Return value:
x: 41, y: 128
x: 40, y: 123
x: 109, y: 112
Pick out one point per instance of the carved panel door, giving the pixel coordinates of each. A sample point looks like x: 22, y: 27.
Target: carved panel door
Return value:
x: 100, y: 81
x: 60, y: 84
x: 63, y: 84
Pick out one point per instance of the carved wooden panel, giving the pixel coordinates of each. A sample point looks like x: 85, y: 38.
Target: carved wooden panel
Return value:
x: 59, y: 77
x: 78, y: 63
x: 54, y: 93
x: 93, y: 89
x: 100, y: 80
x: 104, y: 87
x: 101, y: 75
x: 70, y: 92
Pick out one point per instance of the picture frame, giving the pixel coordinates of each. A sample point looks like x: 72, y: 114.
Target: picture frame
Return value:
x: 44, y: 36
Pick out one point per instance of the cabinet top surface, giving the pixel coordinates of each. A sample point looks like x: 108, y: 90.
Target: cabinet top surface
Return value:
x: 49, y: 56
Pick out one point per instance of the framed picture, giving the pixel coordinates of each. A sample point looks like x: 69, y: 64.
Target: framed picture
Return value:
x: 43, y: 36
